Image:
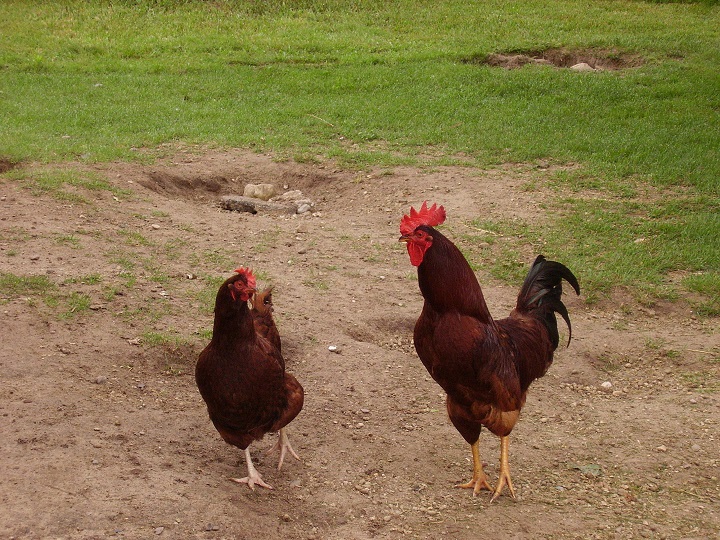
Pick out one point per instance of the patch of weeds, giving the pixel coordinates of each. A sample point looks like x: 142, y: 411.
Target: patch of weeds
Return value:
x: 610, y: 362
x: 77, y: 303
x: 129, y: 279
x: 205, y: 334
x: 316, y: 281
x: 701, y: 381
x: 54, y: 182
x: 156, y: 275
x: 206, y: 295
x: 173, y: 371
x: 619, y: 325
x: 152, y: 311
x: 68, y: 240
x: 13, y: 286
x: 218, y: 258
x: 172, y: 248
x: 110, y: 292
x: 11, y: 252
x: 708, y: 285
x: 133, y: 238
x: 15, y: 234
x: 90, y: 279
x: 122, y: 259
x: 157, y: 339
x: 267, y: 239
x: 159, y: 213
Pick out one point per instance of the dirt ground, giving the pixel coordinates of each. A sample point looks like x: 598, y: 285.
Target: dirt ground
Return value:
x: 105, y: 435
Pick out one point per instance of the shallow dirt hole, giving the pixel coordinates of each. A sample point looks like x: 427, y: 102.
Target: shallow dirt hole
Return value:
x: 600, y: 59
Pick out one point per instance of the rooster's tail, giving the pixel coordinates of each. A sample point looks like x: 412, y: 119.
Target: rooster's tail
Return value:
x: 541, y: 293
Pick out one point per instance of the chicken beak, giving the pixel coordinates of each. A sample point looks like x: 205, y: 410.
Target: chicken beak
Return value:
x: 404, y: 238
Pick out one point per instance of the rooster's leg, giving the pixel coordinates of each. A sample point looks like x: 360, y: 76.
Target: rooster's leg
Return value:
x: 479, y: 480
x: 504, y: 469
x: 283, y: 445
x: 253, y: 476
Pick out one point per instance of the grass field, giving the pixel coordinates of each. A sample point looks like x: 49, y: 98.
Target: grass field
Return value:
x: 385, y: 83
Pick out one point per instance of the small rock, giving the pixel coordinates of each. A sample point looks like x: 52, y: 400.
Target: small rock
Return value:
x: 334, y: 348
x: 582, y: 66
x: 607, y: 385
x: 34, y: 257
x: 155, y: 226
x: 211, y: 527
x: 102, y: 379
x: 286, y: 517
x: 303, y: 208
x: 134, y: 341
x: 661, y: 448
x: 264, y: 192
x: 294, y: 195
x: 159, y: 530
x: 238, y: 203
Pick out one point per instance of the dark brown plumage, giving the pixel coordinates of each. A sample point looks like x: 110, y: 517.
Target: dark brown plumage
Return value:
x: 241, y: 376
x: 262, y: 310
x: 484, y: 365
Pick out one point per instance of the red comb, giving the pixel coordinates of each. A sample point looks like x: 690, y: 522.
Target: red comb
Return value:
x: 249, y: 277
x: 432, y: 216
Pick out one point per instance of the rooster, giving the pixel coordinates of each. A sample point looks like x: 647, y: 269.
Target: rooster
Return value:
x: 485, y: 366
x: 241, y: 376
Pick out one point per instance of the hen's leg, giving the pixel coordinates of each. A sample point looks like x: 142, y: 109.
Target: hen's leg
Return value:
x: 504, y: 469
x: 283, y: 445
x: 479, y: 480
x: 253, y: 476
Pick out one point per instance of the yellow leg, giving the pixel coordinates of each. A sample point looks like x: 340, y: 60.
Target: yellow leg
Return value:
x: 504, y: 478
x: 479, y: 480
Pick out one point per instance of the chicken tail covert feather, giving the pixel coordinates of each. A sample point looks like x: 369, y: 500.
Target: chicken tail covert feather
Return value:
x: 541, y: 294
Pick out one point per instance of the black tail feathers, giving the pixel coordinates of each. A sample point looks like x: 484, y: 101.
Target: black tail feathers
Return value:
x: 541, y: 294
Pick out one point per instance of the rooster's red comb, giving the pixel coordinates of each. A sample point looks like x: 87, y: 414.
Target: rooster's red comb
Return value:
x: 248, y: 274
x: 432, y: 216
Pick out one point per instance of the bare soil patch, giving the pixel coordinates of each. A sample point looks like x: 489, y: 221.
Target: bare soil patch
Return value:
x: 599, y: 59
x: 105, y: 434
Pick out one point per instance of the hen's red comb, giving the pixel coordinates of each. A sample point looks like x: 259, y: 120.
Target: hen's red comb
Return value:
x: 432, y: 216
x: 249, y: 277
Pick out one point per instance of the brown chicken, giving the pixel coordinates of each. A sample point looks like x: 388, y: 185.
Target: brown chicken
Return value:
x: 241, y: 376
x: 485, y: 366
x: 262, y: 310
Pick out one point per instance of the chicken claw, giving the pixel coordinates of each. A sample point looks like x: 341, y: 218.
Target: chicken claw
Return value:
x: 283, y: 445
x: 504, y: 479
x: 253, y: 476
x: 479, y: 479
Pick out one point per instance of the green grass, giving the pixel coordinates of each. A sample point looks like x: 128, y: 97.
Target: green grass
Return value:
x: 38, y: 287
x: 14, y: 286
x: 385, y: 83
x: 55, y: 183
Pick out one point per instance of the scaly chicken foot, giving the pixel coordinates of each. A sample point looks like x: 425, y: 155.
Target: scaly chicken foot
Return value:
x: 479, y: 479
x: 504, y: 479
x: 253, y: 476
x: 283, y: 445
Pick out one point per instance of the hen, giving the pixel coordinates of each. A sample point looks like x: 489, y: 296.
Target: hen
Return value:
x: 241, y: 376
x: 262, y: 310
x: 485, y: 366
